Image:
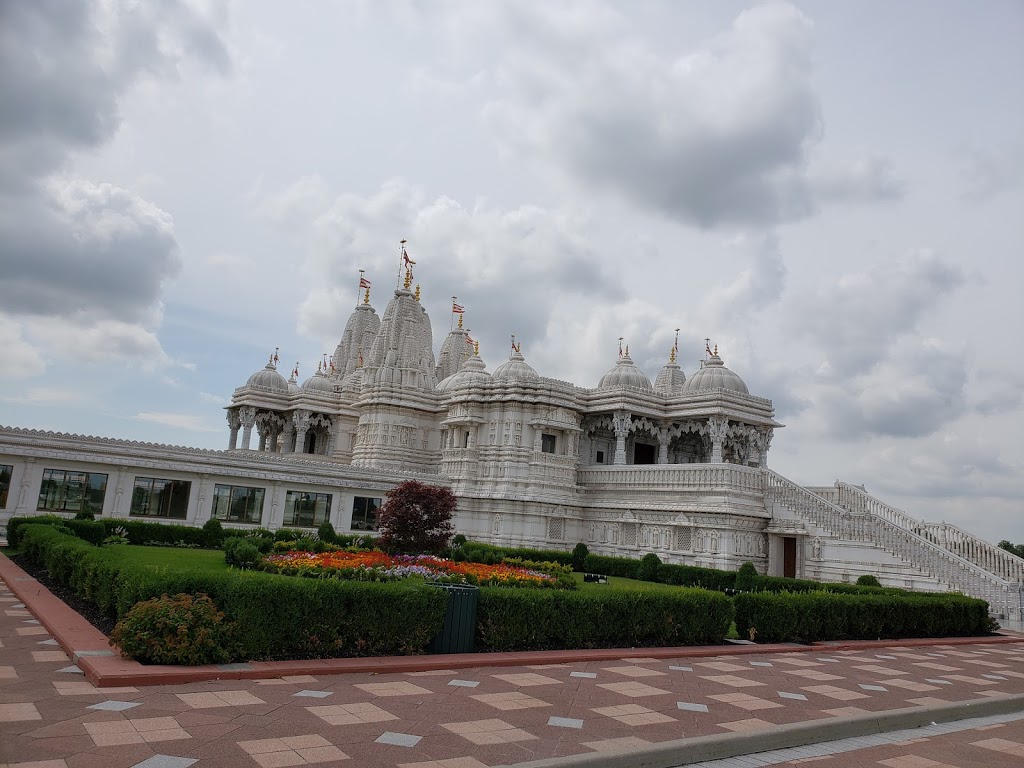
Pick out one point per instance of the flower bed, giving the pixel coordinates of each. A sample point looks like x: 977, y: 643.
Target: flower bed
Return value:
x: 373, y: 565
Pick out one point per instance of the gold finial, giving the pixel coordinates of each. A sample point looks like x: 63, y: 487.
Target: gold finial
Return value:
x: 460, y: 321
x: 417, y: 292
x: 408, y: 279
x: 672, y: 355
x: 627, y: 350
x: 716, y: 350
x: 476, y: 347
x: 366, y: 298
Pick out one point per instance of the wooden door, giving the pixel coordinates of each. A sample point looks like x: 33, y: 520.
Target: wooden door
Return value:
x: 789, y: 557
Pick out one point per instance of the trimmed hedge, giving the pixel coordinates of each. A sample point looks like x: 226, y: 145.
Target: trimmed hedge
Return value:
x: 520, y: 620
x: 95, y: 531
x: 279, y: 617
x: 805, y: 617
x: 477, y: 552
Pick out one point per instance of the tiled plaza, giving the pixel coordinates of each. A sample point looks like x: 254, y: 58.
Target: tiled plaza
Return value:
x: 52, y: 717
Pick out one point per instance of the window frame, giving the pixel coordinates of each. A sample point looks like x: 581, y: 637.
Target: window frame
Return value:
x: 316, y: 498
x: 175, y: 491
x: 88, y: 493
x: 6, y: 473
x: 224, y: 503
x: 365, y: 514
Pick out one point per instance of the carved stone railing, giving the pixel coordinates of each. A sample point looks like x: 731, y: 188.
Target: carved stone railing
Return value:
x: 1003, y: 596
x: 996, y: 560
x: 682, y: 477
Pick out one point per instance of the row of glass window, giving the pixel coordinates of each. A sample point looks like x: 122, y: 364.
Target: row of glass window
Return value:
x: 73, y: 491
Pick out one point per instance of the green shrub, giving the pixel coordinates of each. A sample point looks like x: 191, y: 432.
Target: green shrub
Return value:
x: 326, y: 532
x: 246, y: 555
x: 183, y: 629
x: 812, y: 616
x: 867, y: 580
x: 213, y: 533
x: 745, y: 577
x: 694, y: 576
x: 85, y: 515
x: 477, y: 552
x: 458, y: 540
x: 519, y: 620
x: 648, y: 570
x: 626, y: 567
x: 288, y: 534
x: 579, y: 556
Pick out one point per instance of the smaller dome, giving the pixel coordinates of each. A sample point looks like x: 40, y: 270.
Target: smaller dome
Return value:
x: 625, y: 374
x: 472, y: 372
x: 268, y: 378
x: 714, y: 375
x: 319, y: 382
x: 293, y: 381
x: 671, y: 380
x: 515, y: 369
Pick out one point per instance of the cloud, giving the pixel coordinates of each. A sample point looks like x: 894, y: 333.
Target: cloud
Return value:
x: 187, y: 421
x: 49, y: 396
x: 720, y: 134
x: 21, y: 359
x: 986, y: 172
x: 86, y: 261
x: 857, y: 320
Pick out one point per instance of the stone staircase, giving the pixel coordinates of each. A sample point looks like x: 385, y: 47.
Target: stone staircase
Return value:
x: 868, y: 520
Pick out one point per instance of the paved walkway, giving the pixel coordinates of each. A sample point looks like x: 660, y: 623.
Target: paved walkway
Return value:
x: 51, y: 716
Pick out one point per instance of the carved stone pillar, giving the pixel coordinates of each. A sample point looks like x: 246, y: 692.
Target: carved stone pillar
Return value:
x: 621, y: 426
x: 766, y: 441
x: 301, y: 421
x: 247, y: 416
x: 233, y: 425
x: 288, y: 440
x: 663, y: 445
x: 262, y: 429
x: 275, y: 433
x: 332, y: 434
x: 717, y: 428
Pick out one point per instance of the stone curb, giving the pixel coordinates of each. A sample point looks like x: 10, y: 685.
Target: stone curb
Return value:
x: 91, y: 650
x: 669, y: 754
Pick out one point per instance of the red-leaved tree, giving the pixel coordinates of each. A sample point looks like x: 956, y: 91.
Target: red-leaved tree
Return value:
x: 416, y: 518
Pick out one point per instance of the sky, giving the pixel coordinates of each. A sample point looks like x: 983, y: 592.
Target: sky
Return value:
x: 830, y: 192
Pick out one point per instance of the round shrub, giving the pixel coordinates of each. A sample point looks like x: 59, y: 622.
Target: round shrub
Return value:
x: 648, y: 570
x: 85, y: 515
x: 745, y: 577
x: 326, y: 532
x: 184, y: 629
x: 579, y: 556
x: 213, y: 533
x: 458, y: 540
x: 246, y: 555
x: 867, y: 580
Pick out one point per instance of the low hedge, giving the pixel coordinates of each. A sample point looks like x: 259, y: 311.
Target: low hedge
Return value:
x: 805, y: 617
x: 95, y: 531
x: 478, y: 552
x: 521, y: 620
x: 279, y: 617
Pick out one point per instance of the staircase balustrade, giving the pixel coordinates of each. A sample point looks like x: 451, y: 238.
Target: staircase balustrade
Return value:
x: 893, y: 531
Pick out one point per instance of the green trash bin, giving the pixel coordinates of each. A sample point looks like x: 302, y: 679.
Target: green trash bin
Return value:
x: 459, y: 630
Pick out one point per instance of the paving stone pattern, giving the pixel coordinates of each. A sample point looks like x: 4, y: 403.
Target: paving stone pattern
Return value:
x: 473, y: 718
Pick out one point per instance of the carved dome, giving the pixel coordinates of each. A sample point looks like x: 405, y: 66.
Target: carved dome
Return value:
x: 360, y: 331
x: 268, y: 378
x: 714, y: 375
x: 472, y: 372
x: 293, y: 382
x: 319, y: 382
x: 515, y: 369
x: 455, y: 350
x: 625, y: 374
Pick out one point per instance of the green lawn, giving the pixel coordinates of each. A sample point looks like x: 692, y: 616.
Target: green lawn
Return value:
x: 170, y: 558
x: 619, y: 583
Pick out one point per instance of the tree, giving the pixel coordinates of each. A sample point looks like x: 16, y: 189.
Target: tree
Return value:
x: 1016, y: 549
x: 416, y: 518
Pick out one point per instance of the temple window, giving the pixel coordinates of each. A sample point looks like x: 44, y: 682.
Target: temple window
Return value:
x: 5, y: 483
x: 72, y: 491
x: 306, y: 510
x: 237, y: 504
x: 599, y: 458
x: 364, y: 513
x: 547, y: 443
x: 153, y: 497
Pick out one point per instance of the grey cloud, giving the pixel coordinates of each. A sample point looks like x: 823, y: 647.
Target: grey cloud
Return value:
x: 868, y: 179
x: 75, y: 249
x: 986, y: 172
x: 914, y: 392
x: 719, y: 135
x: 85, y: 248
x: 858, y: 318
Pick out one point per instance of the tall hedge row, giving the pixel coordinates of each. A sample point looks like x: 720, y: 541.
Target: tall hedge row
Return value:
x: 95, y: 531
x: 514, y: 620
x: 805, y: 617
